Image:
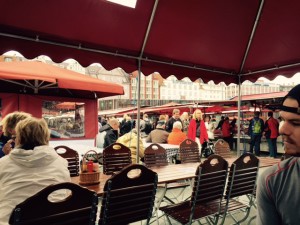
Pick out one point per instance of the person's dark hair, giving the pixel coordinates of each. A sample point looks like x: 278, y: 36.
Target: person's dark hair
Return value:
x: 294, y: 93
x: 270, y: 113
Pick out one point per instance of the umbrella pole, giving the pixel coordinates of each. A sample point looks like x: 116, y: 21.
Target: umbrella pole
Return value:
x: 238, y: 141
x: 138, y: 112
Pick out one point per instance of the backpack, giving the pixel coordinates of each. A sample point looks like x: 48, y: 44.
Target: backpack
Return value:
x: 257, y: 127
x: 148, y: 127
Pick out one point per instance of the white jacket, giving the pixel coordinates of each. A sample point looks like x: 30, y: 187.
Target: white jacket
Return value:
x: 25, y: 172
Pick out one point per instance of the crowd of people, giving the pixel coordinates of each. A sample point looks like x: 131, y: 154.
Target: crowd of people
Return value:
x: 197, y: 126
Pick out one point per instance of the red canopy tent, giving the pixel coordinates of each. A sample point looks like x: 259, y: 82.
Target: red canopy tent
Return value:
x: 217, y: 40
x: 213, y: 40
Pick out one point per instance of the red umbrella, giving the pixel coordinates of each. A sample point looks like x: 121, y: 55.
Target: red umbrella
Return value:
x: 32, y: 77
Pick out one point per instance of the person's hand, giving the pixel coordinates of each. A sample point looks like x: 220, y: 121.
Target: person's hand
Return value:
x: 7, y: 147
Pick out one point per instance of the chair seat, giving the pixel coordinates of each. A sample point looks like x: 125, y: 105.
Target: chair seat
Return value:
x: 232, y: 205
x: 182, y: 211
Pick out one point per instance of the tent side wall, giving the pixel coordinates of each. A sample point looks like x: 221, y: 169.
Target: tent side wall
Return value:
x: 33, y: 105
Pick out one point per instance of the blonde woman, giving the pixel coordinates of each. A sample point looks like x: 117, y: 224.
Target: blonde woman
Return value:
x: 197, y: 130
x: 31, y: 166
x: 185, y: 122
x: 9, y: 123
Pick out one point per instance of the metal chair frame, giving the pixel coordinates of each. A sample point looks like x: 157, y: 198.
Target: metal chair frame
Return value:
x: 242, y: 179
x: 207, y: 195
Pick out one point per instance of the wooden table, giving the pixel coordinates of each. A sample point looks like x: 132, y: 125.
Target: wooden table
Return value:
x: 173, y: 172
x: 263, y: 161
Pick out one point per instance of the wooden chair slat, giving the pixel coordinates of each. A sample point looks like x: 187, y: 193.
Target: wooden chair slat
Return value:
x: 127, y: 200
x: 189, y: 151
x: 79, y: 207
x: 115, y: 157
x: 71, y: 156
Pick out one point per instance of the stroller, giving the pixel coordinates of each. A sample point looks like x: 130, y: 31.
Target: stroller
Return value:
x: 208, y: 149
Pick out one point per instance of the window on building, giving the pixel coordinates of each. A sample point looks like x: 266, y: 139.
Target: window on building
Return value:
x: 65, y: 119
x: 7, y: 59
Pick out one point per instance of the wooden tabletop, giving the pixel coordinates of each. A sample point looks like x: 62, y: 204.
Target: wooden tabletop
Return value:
x: 173, y: 172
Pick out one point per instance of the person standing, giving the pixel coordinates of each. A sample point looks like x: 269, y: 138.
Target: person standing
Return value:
x: 197, y: 130
x: 209, y: 128
x: 219, y: 126
x: 271, y: 133
x: 173, y: 119
x: 256, y: 128
x: 185, y: 122
x: 233, y: 130
x: 278, y: 193
x: 226, y: 132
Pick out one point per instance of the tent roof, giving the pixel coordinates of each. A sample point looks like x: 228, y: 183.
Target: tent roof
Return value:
x: 213, y: 40
x: 262, y: 96
x: 32, y: 77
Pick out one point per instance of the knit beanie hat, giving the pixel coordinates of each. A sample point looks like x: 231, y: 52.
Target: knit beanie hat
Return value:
x: 294, y: 94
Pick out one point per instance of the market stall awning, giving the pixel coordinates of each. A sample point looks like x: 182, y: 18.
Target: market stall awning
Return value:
x: 218, y: 40
x: 32, y: 77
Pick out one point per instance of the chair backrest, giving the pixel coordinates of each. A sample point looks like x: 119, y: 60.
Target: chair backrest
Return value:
x: 129, y: 196
x: 155, y: 155
x: 115, y: 157
x: 242, y: 176
x: 189, y: 151
x: 222, y: 148
x: 72, y: 156
x: 210, y: 180
x: 78, y: 207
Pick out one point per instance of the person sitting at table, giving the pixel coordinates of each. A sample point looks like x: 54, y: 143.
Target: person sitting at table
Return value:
x: 159, y: 135
x: 31, y: 166
x: 108, y: 134
x: 130, y: 140
x: 176, y: 136
x: 9, y: 123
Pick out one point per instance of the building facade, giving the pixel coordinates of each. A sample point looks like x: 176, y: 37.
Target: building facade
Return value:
x: 154, y: 90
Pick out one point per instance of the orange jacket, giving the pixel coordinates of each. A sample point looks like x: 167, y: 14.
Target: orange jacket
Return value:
x: 176, y: 137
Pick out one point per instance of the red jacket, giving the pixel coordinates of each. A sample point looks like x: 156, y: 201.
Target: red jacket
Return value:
x: 192, y: 131
x: 226, y: 129
x: 271, y: 128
